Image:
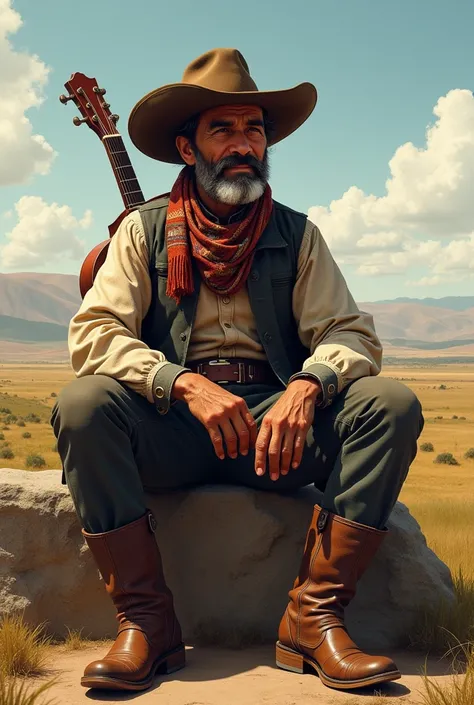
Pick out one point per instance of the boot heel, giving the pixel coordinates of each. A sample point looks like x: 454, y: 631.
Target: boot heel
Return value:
x: 175, y: 661
x: 288, y: 659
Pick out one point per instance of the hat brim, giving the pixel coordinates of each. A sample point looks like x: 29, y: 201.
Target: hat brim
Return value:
x: 156, y: 118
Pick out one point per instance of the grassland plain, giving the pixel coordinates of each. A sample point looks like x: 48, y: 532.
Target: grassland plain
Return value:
x: 440, y: 496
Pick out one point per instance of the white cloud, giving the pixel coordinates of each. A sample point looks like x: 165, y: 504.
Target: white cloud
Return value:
x: 44, y: 234
x: 428, y: 199
x: 22, y: 79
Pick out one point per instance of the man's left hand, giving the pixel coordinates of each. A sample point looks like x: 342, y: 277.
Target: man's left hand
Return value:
x: 283, y: 432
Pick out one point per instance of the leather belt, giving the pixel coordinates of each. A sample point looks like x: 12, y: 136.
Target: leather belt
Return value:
x: 235, y: 371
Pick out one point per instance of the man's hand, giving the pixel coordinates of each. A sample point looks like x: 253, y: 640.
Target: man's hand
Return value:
x: 225, y: 416
x: 284, y: 428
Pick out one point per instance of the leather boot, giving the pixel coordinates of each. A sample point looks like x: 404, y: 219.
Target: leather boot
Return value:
x: 312, y: 630
x: 149, y: 635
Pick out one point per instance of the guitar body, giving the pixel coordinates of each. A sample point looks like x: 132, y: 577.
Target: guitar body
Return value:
x: 88, y: 97
x: 96, y: 257
x: 91, y: 265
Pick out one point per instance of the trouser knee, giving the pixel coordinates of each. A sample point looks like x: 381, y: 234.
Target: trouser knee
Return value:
x: 82, y: 405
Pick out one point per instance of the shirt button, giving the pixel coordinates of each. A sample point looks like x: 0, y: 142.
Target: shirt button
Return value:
x: 227, y: 325
x: 331, y: 389
x: 183, y: 336
x: 267, y: 337
x: 226, y: 299
x: 159, y: 392
x: 254, y: 275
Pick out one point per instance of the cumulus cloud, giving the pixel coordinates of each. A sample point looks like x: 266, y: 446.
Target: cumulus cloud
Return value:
x: 426, y: 216
x: 44, y: 234
x: 22, y: 79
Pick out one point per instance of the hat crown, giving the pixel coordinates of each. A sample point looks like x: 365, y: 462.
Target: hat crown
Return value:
x: 220, y: 70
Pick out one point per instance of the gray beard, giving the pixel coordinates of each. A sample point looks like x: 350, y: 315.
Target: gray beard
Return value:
x: 239, y: 190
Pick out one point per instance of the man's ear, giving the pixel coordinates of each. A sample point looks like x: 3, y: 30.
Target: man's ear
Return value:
x: 184, y: 147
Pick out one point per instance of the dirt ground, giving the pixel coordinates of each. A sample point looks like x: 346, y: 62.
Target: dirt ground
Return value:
x: 247, y: 677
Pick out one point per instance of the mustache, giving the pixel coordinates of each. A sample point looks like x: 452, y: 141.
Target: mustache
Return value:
x: 239, y: 160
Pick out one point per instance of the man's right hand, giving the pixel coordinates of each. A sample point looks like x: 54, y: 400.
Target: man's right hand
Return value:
x: 225, y: 416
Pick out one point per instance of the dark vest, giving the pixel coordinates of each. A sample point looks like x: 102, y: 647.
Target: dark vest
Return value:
x: 167, y: 326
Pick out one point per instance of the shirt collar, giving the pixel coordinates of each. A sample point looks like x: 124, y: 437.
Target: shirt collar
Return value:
x: 233, y: 218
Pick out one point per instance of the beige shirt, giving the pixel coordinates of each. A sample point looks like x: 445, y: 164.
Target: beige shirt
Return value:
x: 104, y: 335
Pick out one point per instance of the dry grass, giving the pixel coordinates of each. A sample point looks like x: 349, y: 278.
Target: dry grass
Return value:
x: 27, y: 389
x: 459, y: 691
x: 443, y: 627
x: 14, y: 691
x: 23, y: 650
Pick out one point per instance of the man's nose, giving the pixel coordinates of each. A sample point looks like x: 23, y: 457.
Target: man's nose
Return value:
x: 240, y: 144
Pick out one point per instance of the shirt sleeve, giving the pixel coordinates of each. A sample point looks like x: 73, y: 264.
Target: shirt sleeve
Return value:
x: 104, y: 335
x: 342, y: 339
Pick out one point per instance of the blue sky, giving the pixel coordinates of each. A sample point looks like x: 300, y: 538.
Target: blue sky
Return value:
x: 380, y: 69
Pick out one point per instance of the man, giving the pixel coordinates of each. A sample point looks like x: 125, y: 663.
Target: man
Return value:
x: 220, y: 343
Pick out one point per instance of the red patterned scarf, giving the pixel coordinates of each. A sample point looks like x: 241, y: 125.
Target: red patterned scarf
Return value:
x: 224, y: 253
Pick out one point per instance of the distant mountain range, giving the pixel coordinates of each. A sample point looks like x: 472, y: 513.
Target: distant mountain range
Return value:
x: 35, y: 310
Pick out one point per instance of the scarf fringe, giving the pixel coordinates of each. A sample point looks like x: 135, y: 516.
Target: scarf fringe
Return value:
x: 180, y: 277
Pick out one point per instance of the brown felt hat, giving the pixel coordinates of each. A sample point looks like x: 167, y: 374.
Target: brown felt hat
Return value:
x: 219, y: 77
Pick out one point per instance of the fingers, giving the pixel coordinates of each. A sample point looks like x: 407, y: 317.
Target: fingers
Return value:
x: 217, y: 441
x: 230, y: 438
x: 261, y: 447
x: 298, y: 448
x: 287, y: 451
x: 243, y: 433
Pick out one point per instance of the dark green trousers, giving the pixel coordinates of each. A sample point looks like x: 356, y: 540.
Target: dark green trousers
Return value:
x: 114, y: 446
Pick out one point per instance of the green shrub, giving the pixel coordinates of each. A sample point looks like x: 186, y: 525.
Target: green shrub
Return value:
x: 427, y: 447
x: 6, y: 453
x: 27, y: 434
x: 33, y: 418
x: 10, y: 418
x: 4, y: 410
x: 20, y: 422
x: 446, y: 459
x: 2, y: 436
x: 454, y: 416
x: 469, y: 454
x: 442, y: 386
x: 53, y: 394
x: 35, y: 461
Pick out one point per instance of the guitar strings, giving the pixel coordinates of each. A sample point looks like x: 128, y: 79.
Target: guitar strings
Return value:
x: 117, y: 147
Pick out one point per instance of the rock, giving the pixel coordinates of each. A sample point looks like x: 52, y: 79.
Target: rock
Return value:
x: 230, y: 556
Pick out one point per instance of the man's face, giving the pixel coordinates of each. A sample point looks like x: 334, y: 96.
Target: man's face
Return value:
x: 230, y: 154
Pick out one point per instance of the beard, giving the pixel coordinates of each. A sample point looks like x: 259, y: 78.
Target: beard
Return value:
x: 235, y: 190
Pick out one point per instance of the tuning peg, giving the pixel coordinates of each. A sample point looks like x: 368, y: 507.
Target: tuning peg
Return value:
x: 115, y: 118
x: 106, y: 105
x: 65, y: 98
x: 100, y: 91
x: 77, y: 121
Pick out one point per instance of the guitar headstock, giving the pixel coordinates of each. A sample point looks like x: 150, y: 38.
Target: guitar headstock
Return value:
x: 89, y: 98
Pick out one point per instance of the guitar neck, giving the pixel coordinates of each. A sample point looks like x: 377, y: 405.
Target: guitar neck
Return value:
x: 124, y: 172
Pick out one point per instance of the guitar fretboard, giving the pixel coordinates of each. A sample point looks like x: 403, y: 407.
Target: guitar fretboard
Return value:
x: 124, y: 172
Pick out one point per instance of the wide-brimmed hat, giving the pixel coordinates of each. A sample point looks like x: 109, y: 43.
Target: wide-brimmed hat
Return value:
x: 219, y: 77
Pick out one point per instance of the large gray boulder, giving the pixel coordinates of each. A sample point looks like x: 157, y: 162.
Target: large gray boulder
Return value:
x: 230, y: 556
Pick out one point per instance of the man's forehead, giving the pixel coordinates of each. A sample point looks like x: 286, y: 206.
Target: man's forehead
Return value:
x: 223, y: 112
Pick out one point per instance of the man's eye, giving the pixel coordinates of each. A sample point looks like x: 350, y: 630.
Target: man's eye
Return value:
x: 222, y: 129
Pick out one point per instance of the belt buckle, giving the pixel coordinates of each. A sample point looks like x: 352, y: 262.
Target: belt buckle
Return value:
x: 221, y: 361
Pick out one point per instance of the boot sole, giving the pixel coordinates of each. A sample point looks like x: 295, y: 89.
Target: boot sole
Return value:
x: 167, y: 663
x: 290, y: 660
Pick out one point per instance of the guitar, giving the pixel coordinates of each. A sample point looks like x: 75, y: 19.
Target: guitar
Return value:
x: 95, y: 111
